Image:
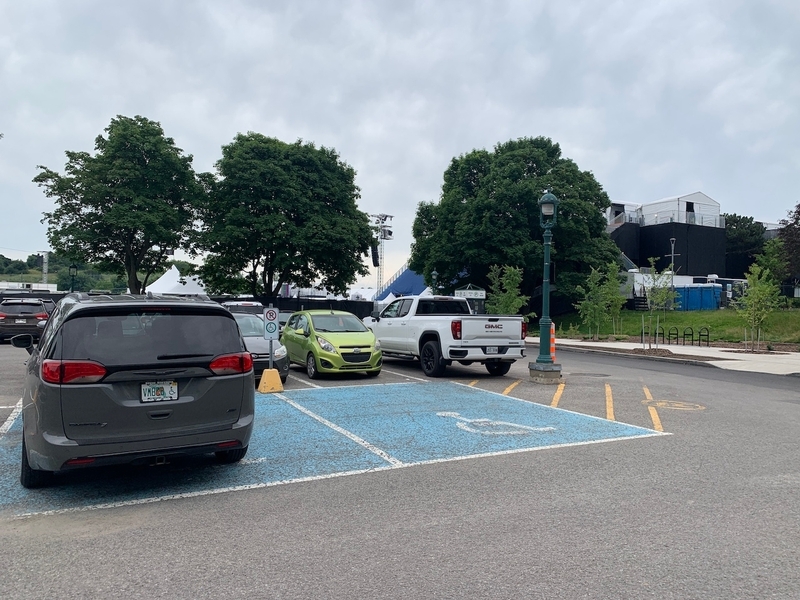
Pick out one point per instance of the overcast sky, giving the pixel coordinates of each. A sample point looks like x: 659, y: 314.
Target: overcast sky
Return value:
x: 657, y: 99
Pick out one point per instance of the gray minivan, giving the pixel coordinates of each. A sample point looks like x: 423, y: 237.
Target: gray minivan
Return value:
x: 134, y: 379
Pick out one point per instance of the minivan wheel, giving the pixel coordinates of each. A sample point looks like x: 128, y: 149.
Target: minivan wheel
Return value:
x: 311, y: 366
x: 32, y: 478
x: 231, y: 456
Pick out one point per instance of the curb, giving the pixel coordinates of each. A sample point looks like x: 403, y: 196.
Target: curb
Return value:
x: 584, y: 350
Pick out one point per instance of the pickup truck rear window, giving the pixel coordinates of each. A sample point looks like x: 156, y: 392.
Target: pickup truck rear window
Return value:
x: 442, y: 307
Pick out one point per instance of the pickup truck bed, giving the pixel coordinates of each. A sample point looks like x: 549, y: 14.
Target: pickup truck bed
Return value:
x: 438, y: 330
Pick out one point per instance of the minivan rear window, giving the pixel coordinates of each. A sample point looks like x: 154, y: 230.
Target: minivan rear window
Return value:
x: 147, y: 337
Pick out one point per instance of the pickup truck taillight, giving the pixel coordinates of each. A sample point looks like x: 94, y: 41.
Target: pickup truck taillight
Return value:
x: 524, y: 330
x: 455, y: 329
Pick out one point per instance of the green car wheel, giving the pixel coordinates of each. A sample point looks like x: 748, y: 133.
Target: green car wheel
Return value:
x: 311, y: 366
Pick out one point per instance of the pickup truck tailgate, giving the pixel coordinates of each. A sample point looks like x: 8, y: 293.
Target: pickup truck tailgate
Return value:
x: 479, y: 330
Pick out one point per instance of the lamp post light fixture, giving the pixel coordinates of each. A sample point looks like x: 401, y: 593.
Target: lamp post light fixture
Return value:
x: 73, y: 271
x: 544, y: 370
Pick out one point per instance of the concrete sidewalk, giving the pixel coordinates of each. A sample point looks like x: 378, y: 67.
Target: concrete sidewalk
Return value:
x: 775, y: 363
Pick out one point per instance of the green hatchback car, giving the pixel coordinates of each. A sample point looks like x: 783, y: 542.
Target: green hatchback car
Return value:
x: 331, y: 341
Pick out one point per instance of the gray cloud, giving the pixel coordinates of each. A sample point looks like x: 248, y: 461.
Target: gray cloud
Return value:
x: 656, y: 99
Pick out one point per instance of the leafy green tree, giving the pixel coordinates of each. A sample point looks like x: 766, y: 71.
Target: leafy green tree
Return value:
x: 759, y: 298
x: 611, y: 290
x: 503, y: 296
x: 660, y: 293
x: 282, y: 213
x: 488, y: 214
x: 9, y: 266
x: 592, y: 307
x: 744, y: 238
x: 774, y: 260
x: 789, y: 234
x: 127, y: 205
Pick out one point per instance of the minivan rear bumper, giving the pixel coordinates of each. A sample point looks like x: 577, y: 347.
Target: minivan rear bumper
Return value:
x: 51, y: 453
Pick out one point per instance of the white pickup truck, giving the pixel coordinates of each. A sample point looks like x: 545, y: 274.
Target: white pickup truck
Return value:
x: 441, y: 329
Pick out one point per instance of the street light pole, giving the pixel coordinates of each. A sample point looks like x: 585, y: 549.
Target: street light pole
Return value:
x: 545, y: 321
x: 73, y: 271
x: 544, y: 370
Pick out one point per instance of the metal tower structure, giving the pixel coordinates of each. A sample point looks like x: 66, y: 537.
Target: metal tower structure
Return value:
x: 382, y: 221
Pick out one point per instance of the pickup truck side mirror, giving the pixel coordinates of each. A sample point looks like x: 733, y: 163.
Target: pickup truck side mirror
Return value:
x: 376, y: 314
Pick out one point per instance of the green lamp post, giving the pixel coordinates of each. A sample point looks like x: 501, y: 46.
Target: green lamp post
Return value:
x: 544, y: 370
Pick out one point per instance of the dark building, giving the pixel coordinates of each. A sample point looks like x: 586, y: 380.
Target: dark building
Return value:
x: 687, y: 231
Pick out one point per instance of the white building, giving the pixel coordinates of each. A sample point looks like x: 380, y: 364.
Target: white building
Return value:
x: 693, y: 209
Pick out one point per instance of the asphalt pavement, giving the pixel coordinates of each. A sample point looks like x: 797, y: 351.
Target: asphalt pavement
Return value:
x: 774, y: 363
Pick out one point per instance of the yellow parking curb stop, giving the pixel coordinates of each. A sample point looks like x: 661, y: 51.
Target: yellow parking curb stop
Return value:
x: 270, y: 382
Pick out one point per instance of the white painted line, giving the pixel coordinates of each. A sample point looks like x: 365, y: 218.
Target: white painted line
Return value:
x: 153, y: 499
x: 384, y: 370
x: 256, y: 486
x: 361, y: 442
x: 11, y: 418
x: 354, y: 386
x: 313, y: 385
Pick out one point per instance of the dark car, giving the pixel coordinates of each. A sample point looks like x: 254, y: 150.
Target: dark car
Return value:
x: 252, y: 328
x: 22, y: 315
x: 134, y: 379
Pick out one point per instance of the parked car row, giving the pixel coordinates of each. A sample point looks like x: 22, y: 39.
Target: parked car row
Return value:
x: 138, y: 379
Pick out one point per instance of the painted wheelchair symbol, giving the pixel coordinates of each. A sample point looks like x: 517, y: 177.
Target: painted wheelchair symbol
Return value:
x: 488, y: 427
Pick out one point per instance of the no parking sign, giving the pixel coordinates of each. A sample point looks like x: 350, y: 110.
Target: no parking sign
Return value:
x: 271, y: 325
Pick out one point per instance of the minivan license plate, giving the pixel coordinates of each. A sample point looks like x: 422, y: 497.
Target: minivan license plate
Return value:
x: 491, y: 349
x: 157, y: 391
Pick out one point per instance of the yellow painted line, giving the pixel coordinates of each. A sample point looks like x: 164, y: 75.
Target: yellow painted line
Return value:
x: 656, y: 421
x: 609, y: 404
x: 557, y: 395
x: 511, y: 387
x: 473, y: 383
x: 653, y: 412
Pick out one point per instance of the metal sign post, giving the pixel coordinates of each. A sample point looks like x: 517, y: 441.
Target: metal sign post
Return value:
x: 271, y: 328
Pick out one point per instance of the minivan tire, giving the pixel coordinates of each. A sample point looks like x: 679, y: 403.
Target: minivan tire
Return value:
x: 32, y: 478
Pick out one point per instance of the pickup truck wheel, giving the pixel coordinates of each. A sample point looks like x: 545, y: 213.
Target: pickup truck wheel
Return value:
x: 498, y: 368
x: 431, y: 359
x: 311, y: 366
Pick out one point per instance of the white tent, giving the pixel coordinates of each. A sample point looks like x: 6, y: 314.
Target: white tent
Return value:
x: 170, y: 283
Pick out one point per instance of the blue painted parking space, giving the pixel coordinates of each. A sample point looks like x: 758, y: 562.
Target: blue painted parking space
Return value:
x: 303, y: 435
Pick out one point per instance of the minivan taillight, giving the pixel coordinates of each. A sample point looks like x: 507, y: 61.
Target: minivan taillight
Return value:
x: 524, y: 330
x: 230, y: 364
x: 455, y: 329
x: 72, y: 371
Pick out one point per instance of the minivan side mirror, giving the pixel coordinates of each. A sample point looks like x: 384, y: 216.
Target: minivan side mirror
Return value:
x: 23, y: 340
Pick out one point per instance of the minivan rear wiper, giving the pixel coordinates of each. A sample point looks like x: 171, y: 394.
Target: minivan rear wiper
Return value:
x: 175, y: 356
